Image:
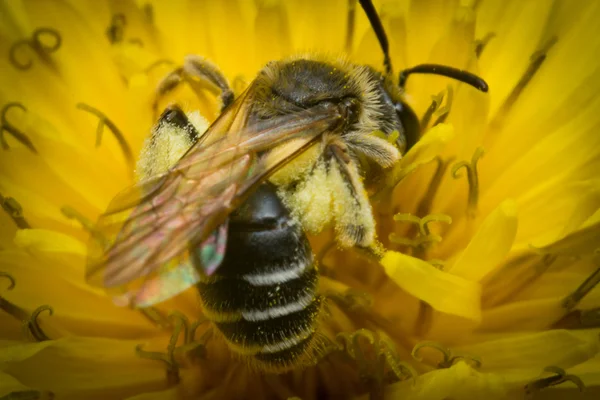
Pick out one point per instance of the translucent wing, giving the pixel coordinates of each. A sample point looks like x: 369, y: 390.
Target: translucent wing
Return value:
x: 152, y: 230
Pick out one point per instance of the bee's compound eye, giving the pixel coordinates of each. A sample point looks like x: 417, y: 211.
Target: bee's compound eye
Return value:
x: 351, y: 110
x: 410, y: 124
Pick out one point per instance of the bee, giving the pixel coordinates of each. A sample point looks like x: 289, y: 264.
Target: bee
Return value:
x: 226, y: 208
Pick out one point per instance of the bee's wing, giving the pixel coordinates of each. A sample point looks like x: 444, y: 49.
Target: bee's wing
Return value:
x: 180, y: 209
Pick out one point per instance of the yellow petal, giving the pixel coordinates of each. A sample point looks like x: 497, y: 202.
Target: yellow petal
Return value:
x: 445, y: 292
x: 171, y: 394
x: 490, y: 244
x: 86, y: 366
x: 9, y: 384
x: 524, y: 315
x: 457, y: 382
x: 526, y: 354
x: 49, y: 241
x: 78, y: 308
x: 580, y: 243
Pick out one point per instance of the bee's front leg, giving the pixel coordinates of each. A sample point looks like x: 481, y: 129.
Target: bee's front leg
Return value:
x: 201, y: 73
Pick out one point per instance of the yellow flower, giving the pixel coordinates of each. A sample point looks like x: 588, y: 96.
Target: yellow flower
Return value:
x: 491, y: 222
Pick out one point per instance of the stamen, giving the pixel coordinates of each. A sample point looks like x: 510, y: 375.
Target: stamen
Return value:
x: 14, y: 211
x: 417, y: 242
x: 28, y: 395
x: 439, y: 264
x: 537, y: 59
x: 148, y: 12
x: 352, y: 299
x: 8, y: 127
x: 448, y: 358
x: 180, y: 323
x: 442, y: 113
x: 436, y: 101
x: 350, y: 27
x: 590, y: 318
x: 472, y: 178
x: 156, y: 317
x: 482, y: 43
x: 373, y: 358
x: 574, y: 298
x: 424, y: 237
x: 425, y: 204
x: 116, y: 30
x: 402, y: 370
x: 86, y: 224
x: 37, y: 44
x: 10, y: 278
x: 424, y: 222
x: 424, y: 318
x: 31, y: 325
x: 8, y: 307
x: 103, y: 120
x: 559, y: 377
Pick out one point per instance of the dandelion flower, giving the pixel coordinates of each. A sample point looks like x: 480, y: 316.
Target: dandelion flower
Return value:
x: 490, y: 222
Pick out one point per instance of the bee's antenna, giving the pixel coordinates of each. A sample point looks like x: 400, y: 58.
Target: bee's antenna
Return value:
x: 367, y: 5
x: 444, y: 70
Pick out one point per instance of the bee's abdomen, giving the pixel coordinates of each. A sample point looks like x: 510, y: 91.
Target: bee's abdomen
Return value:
x: 263, y: 298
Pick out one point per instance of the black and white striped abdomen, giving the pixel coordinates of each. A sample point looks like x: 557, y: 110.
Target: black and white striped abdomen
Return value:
x: 263, y: 298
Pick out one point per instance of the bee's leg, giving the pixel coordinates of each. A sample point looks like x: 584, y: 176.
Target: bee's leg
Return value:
x: 166, y: 85
x: 354, y: 221
x: 200, y: 69
x: 200, y: 74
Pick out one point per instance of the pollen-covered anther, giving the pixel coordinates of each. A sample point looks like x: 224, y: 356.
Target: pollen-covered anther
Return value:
x: 473, y: 180
x: 560, y: 376
x: 43, y: 41
x: 105, y: 121
x: 10, y: 128
x: 31, y: 325
x: 448, y: 359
